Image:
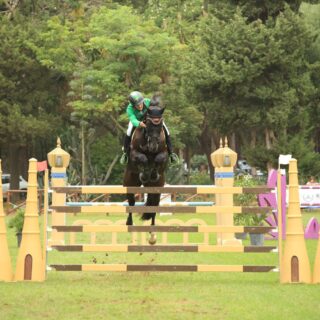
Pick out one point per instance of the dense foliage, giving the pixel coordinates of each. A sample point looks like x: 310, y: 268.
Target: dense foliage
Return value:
x: 241, y: 68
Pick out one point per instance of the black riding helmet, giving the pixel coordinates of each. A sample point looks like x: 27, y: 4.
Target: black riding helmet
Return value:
x: 136, y: 98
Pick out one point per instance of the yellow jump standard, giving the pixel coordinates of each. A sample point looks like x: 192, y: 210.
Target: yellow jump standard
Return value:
x: 30, y: 259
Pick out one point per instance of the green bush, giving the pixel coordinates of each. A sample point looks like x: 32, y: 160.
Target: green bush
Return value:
x: 197, y: 160
x: 200, y: 178
x: 247, y: 199
x: 17, y: 221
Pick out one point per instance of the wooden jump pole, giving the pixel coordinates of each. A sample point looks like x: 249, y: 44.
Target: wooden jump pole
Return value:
x: 163, y: 248
x: 162, y: 268
x: 187, y: 189
x: 191, y: 229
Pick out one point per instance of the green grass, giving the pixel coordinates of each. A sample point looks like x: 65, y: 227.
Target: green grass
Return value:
x: 98, y: 295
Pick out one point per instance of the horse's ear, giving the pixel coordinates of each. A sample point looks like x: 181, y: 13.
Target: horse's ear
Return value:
x: 162, y: 110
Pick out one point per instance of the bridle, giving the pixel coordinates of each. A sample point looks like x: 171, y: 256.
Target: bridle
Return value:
x: 154, y: 119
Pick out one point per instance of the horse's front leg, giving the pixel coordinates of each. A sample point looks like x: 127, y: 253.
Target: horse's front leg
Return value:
x: 160, y: 162
x: 141, y: 161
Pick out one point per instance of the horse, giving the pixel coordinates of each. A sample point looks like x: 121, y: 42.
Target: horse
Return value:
x: 147, y: 162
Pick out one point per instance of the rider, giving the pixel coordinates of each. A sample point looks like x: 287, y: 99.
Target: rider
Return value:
x: 136, y: 109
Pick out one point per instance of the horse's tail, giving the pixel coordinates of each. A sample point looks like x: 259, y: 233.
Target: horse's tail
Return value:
x: 147, y: 215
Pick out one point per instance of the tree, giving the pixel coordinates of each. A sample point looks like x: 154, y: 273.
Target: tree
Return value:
x: 105, y: 54
x: 311, y: 16
x: 28, y: 97
x: 267, y: 9
x: 252, y: 80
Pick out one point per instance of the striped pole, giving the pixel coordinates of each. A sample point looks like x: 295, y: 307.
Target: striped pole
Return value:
x: 163, y: 248
x: 187, y: 189
x: 161, y: 268
x: 193, y: 229
x: 175, y: 209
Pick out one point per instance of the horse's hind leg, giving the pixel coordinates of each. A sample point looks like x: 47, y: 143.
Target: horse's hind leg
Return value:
x: 131, y: 202
x: 153, y: 236
x: 153, y: 200
x: 130, y: 180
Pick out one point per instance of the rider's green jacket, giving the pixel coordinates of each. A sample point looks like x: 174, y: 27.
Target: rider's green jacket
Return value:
x: 135, y: 116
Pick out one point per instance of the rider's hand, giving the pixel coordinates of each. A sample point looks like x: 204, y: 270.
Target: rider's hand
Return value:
x: 174, y: 159
x: 142, y: 125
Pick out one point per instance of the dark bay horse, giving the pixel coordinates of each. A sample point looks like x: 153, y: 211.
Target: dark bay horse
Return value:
x: 147, y: 161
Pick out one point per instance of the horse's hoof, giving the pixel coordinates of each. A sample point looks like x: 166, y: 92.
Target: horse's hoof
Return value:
x: 153, y: 238
x: 129, y: 223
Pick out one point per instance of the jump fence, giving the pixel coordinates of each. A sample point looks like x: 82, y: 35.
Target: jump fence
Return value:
x: 32, y: 258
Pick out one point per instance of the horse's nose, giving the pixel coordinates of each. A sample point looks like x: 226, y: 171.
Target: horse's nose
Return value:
x: 153, y: 146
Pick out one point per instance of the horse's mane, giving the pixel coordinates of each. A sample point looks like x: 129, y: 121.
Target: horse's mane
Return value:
x: 156, y: 100
x: 155, y: 110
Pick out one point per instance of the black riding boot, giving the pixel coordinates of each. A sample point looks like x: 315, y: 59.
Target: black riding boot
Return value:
x: 169, y: 144
x: 173, y: 157
x: 126, y: 144
x: 126, y: 150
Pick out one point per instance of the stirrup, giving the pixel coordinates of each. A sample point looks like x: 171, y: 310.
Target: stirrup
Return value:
x: 174, y: 159
x: 124, y: 159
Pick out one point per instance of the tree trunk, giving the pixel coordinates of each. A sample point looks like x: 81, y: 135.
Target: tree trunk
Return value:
x: 269, y: 138
x: 209, y: 141
x: 253, y: 142
x: 14, y: 166
x: 24, y: 161
x: 253, y: 135
x: 205, y: 7
x: 188, y: 158
x: 232, y: 143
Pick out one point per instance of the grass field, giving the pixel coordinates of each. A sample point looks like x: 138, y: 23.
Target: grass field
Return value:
x: 146, y: 295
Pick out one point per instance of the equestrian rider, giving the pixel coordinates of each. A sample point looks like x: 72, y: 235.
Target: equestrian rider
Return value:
x: 136, y: 109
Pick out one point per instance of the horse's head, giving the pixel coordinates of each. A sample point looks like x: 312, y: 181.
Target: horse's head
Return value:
x: 154, y: 123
